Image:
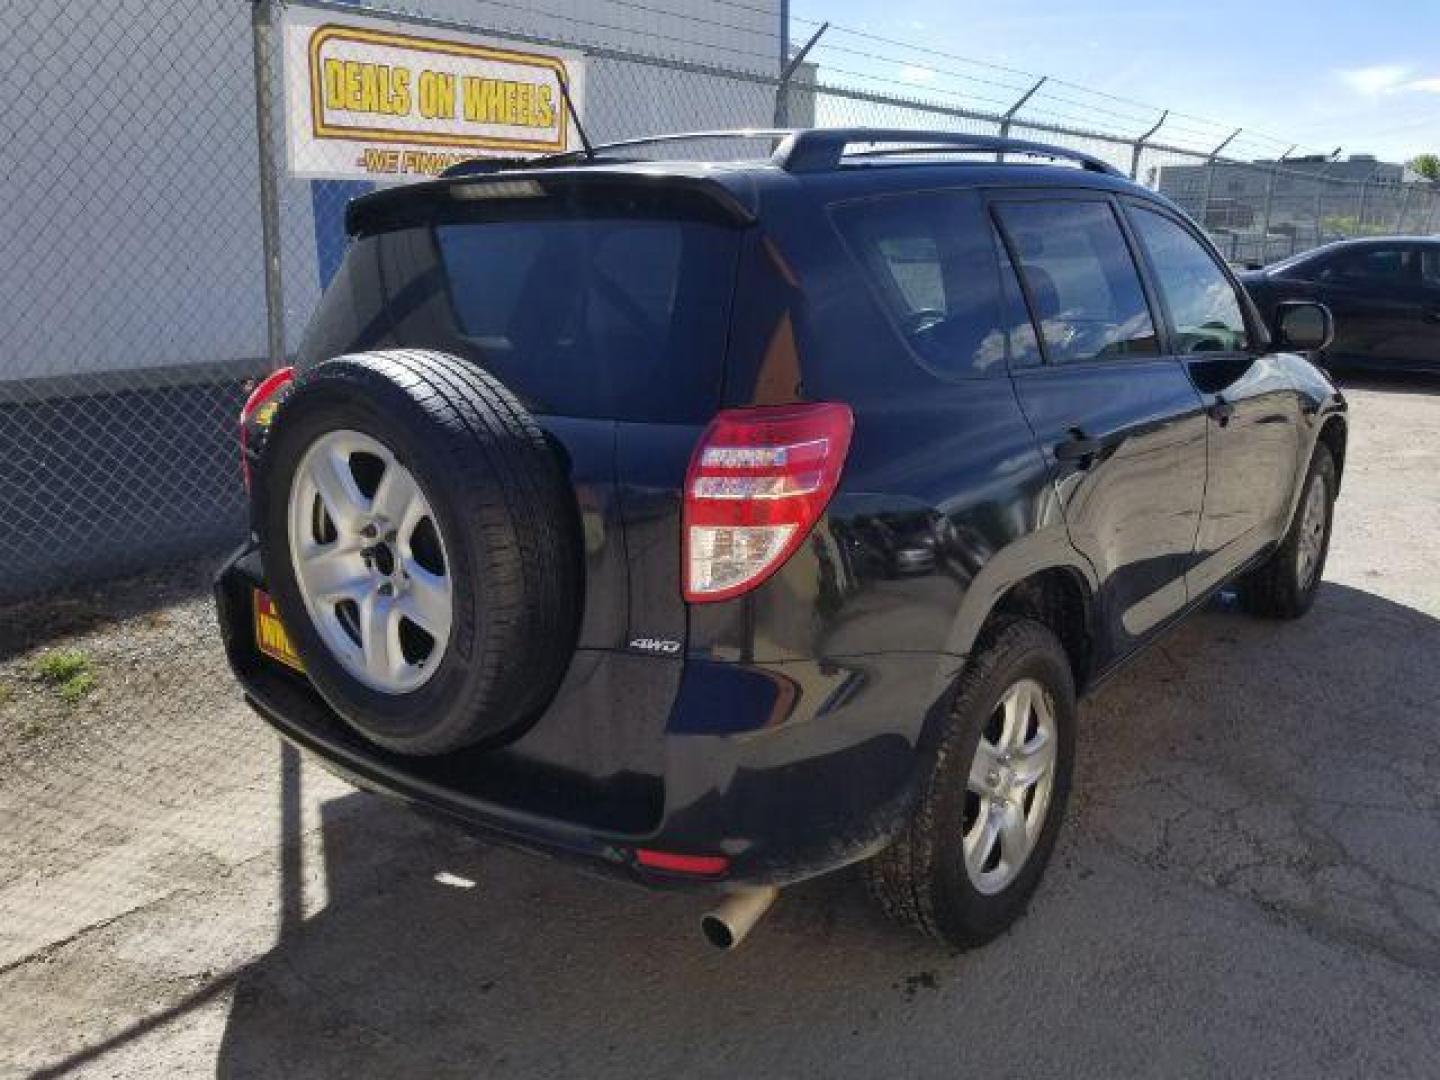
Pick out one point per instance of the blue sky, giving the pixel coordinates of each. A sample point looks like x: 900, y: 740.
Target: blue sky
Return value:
x: 1362, y: 75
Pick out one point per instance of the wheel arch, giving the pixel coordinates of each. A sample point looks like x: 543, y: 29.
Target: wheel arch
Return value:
x: 1041, y: 578
x: 1334, y: 435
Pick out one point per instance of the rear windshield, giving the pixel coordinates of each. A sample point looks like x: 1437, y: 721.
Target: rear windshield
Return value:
x: 620, y: 317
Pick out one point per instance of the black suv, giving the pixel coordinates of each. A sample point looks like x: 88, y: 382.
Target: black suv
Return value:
x: 727, y: 523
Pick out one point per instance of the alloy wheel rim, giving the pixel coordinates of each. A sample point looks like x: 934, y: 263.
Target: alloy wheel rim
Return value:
x: 1312, y: 534
x: 1009, y: 786
x: 370, y: 562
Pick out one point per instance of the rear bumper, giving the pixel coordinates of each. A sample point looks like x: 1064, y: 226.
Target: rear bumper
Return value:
x: 789, y: 770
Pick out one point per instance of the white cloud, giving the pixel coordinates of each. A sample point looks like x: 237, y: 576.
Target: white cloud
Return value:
x: 1382, y: 79
x: 1373, y: 81
x: 914, y: 73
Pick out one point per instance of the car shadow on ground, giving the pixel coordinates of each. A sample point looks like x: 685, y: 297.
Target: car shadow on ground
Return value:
x: 1264, y: 761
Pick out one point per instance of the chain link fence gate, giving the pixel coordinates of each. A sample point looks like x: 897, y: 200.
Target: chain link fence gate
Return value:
x: 155, y: 257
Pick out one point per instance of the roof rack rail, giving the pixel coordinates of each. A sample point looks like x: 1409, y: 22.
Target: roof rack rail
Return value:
x: 809, y: 149
x: 822, y: 149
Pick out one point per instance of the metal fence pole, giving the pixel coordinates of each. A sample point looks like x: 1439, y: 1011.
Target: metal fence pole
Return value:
x: 782, y: 89
x: 784, y: 36
x: 1320, y: 192
x: 1210, y: 178
x: 1434, y: 207
x: 262, y: 43
x: 1364, y: 192
x: 1140, y: 145
x: 1404, y: 207
x: 1269, y: 205
x: 1009, y: 114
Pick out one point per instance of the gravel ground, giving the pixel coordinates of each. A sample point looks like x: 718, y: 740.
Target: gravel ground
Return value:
x: 1249, y: 882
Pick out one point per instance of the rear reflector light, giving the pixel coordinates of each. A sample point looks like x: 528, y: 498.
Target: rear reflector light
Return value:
x: 250, y: 412
x: 700, y: 865
x: 758, y: 482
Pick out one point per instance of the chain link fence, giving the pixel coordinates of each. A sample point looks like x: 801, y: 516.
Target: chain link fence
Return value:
x: 152, y: 268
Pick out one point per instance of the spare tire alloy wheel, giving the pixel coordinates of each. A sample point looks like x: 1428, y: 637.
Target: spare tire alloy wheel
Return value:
x: 422, y: 542
x: 370, y: 562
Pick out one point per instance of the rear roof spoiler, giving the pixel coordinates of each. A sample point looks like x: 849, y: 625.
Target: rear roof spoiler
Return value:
x: 379, y: 209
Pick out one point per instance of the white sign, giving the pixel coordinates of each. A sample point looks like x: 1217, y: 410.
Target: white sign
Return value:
x: 378, y: 99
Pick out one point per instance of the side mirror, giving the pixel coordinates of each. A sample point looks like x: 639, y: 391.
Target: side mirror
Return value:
x: 1303, y: 325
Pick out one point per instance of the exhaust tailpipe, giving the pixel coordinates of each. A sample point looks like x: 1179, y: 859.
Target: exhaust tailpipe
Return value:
x: 727, y: 926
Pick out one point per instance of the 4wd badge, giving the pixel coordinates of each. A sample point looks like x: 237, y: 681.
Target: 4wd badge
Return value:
x: 663, y: 646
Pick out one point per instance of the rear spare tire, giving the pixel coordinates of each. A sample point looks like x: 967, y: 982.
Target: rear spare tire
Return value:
x: 423, y: 545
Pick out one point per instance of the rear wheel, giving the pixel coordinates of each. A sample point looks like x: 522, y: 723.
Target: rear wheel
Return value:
x: 966, y: 864
x: 1285, y: 585
x: 422, y: 543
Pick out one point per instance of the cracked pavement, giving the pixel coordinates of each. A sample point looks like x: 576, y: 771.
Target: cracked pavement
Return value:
x: 1249, y: 883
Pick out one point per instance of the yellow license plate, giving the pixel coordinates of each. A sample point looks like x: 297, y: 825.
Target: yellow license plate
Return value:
x: 270, y: 636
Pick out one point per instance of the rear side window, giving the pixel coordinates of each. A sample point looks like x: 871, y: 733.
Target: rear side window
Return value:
x: 1202, y: 302
x: 930, y: 260
x: 1368, y: 265
x: 1430, y: 267
x: 621, y: 318
x: 1082, y: 283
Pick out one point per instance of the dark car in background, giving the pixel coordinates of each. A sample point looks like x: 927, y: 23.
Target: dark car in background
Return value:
x: 727, y: 523
x: 1384, y: 293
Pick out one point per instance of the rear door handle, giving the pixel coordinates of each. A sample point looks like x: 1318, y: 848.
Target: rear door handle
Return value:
x: 1221, y: 411
x: 1079, y: 448
x: 1432, y: 315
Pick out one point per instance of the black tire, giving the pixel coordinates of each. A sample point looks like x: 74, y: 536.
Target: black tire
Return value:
x: 1277, y: 589
x: 509, y: 526
x: 921, y: 879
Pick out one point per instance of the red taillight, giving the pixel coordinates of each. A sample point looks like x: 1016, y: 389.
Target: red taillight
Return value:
x: 699, y: 865
x: 758, y: 482
x: 269, y: 386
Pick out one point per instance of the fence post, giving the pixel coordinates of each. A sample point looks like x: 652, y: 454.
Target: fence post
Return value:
x: 1009, y: 114
x: 1434, y: 206
x: 1269, y: 204
x: 262, y: 44
x: 1364, y: 192
x: 782, y: 91
x: 1320, y: 192
x: 1210, y: 179
x: 784, y: 36
x: 1404, y: 206
x: 1140, y: 145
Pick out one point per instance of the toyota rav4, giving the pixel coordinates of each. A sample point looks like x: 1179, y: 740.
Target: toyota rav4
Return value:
x: 727, y: 523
